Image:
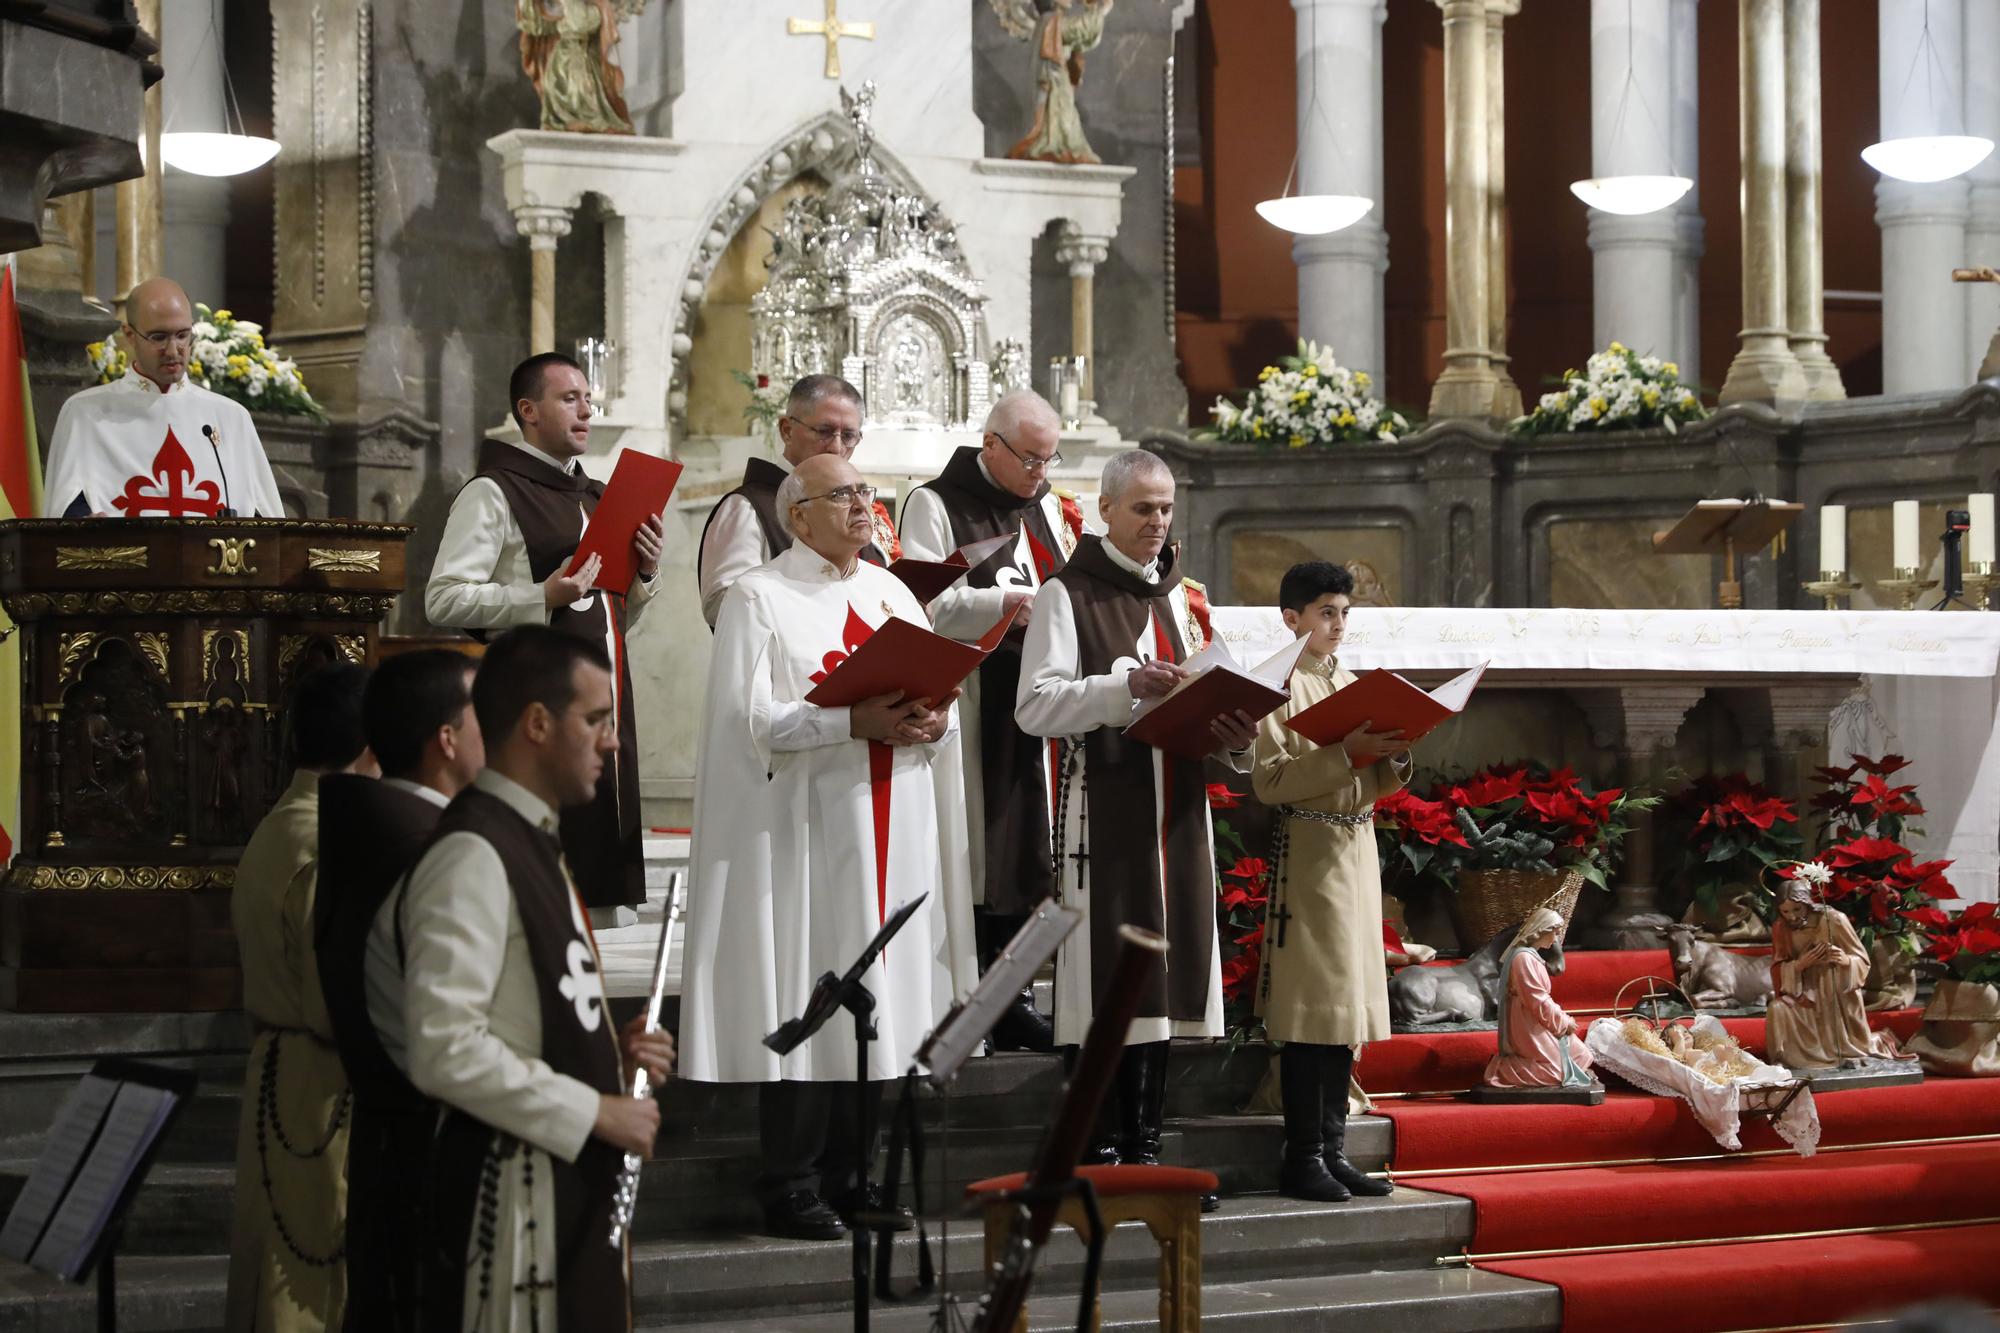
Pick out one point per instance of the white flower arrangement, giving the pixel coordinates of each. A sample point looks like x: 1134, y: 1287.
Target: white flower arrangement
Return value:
x: 1618, y: 390
x: 1308, y: 400
x: 230, y: 358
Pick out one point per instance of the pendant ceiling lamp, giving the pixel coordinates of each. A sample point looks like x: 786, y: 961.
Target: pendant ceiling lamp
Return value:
x: 1925, y: 158
x: 1633, y: 195
x: 227, y: 152
x: 1314, y: 214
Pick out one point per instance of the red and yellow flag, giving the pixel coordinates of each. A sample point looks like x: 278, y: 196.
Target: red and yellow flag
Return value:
x: 20, y: 497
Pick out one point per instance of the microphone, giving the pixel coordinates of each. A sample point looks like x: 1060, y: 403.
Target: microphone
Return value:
x: 228, y: 509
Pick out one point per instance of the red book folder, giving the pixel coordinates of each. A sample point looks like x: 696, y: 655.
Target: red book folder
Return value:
x: 1386, y: 702
x: 907, y: 659
x: 640, y: 486
x: 1179, y: 723
x: 927, y: 578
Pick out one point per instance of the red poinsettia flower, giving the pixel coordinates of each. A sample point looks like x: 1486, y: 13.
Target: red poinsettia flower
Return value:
x: 1489, y: 788
x: 1254, y: 940
x: 1883, y: 767
x: 1980, y: 912
x: 1238, y: 973
x: 1249, y: 867
x: 1884, y: 799
x: 1834, y: 777
x: 1930, y: 918
x: 1862, y: 851
x: 1221, y: 798
x: 1236, y: 896
x: 1558, y: 807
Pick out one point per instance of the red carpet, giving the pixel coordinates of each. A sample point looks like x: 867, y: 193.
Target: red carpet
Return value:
x: 1768, y: 1284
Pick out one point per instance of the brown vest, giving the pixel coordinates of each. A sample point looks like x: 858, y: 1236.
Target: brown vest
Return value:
x: 602, y: 839
x: 580, y: 1040
x: 761, y: 479
x: 1126, y: 845
x: 1017, y: 875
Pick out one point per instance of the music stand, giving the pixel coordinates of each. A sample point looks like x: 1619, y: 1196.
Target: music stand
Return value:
x: 830, y: 995
x: 1725, y: 528
x: 69, y: 1215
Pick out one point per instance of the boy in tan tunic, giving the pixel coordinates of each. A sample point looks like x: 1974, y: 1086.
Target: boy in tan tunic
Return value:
x: 1324, y: 989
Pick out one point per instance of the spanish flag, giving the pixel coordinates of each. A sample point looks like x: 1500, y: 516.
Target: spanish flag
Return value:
x: 20, y: 497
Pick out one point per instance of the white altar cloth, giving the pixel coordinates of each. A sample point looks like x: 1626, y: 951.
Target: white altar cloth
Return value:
x: 1928, y: 688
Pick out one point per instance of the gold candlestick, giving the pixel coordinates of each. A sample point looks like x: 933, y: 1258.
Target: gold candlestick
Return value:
x: 1981, y: 578
x: 1906, y: 587
x: 1832, y: 585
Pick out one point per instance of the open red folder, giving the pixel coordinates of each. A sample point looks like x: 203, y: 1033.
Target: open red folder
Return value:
x: 640, y: 486
x: 928, y: 578
x: 907, y: 659
x: 1386, y: 702
x: 1216, y: 684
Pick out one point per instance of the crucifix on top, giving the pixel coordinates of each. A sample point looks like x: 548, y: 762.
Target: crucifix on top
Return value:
x: 833, y: 30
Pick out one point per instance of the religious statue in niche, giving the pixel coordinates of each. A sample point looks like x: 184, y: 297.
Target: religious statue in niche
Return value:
x: 224, y: 729
x: 568, y: 53
x: 1538, y: 1047
x: 113, y: 726
x: 1009, y: 367
x: 1816, y: 1018
x: 1063, y: 30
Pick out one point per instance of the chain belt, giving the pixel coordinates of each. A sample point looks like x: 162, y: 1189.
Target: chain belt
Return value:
x: 1322, y: 817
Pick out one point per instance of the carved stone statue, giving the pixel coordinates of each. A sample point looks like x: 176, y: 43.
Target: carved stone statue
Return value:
x: 1063, y: 31
x: 567, y: 52
x: 1538, y: 1046
x: 1816, y: 1018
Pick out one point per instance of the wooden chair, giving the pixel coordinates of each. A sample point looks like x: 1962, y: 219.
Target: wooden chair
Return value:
x: 1167, y: 1199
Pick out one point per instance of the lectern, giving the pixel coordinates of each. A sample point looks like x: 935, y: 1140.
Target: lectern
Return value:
x: 157, y: 660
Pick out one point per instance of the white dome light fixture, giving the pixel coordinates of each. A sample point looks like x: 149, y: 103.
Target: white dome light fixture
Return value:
x: 227, y: 152
x: 1924, y: 159
x: 1313, y: 214
x: 1631, y: 195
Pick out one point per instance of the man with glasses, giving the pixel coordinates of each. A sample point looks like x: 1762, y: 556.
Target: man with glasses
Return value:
x: 746, y: 527
x: 154, y: 443
x: 1001, y: 488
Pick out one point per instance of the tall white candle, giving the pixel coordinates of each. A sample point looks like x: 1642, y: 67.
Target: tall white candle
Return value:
x: 1906, y: 534
x: 1833, y: 539
x: 1979, y: 542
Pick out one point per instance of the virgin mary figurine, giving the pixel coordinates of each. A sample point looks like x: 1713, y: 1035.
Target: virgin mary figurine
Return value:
x: 1538, y: 1043
x: 1068, y: 28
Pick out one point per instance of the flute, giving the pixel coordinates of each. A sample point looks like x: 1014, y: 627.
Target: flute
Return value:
x: 627, y: 1197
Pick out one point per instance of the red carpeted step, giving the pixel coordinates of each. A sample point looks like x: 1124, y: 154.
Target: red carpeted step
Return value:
x: 1758, y: 1285
x: 1542, y: 1210
x: 1461, y: 1136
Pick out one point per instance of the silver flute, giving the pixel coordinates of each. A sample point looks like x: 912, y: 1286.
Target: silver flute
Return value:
x: 627, y: 1197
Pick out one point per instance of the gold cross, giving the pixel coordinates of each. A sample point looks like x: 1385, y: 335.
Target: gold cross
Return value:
x: 833, y: 30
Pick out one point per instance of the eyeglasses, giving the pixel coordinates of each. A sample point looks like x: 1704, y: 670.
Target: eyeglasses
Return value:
x: 1028, y: 461
x: 847, y: 439
x: 846, y: 495
x: 165, y: 337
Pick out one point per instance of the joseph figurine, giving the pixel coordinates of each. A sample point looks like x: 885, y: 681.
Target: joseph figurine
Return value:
x: 1818, y: 966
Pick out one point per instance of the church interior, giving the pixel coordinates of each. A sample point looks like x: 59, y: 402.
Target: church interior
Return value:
x: 1637, y: 360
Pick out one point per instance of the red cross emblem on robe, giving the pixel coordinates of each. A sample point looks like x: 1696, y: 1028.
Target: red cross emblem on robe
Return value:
x: 881, y: 759
x: 173, y: 471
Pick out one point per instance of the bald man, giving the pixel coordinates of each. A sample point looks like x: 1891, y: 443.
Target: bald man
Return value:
x: 153, y: 443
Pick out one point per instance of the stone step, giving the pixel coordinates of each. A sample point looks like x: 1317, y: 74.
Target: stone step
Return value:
x: 156, y: 1294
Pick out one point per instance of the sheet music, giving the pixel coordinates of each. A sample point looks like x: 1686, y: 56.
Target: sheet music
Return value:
x: 952, y: 1044
x: 69, y: 1139
x: 134, y: 1121
x: 1455, y: 693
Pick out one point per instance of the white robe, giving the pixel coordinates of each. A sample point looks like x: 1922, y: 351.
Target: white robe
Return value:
x: 1054, y: 700
x: 111, y: 433
x: 784, y: 869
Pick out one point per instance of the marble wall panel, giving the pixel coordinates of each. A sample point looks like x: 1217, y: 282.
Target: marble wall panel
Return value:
x: 1611, y: 563
x: 1259, y: 558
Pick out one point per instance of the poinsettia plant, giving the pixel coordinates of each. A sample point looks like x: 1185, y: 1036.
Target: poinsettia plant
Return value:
x: 1879, y: 886
x: 1859, y: 799
x: 1736, y: 830
x: 1242, y: 891
x: 1968, y: 945
x: 1508, y: 817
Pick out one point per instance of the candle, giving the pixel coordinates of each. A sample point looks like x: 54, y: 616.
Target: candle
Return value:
x: 1833, y: 539
x: 1979, y: 542
x: 1070, y: 398
x: 1906, y: 534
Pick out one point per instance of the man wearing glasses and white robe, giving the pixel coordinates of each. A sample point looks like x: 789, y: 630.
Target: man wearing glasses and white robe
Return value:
x: 746, y: 528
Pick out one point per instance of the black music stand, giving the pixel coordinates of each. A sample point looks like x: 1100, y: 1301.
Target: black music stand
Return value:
x: 830, y: 995
x: 68, y: 1217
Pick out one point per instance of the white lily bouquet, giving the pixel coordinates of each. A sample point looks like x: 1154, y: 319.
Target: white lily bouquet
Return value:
x: 1618, y: 390
x: 230, y: 358
x: 1308, y: 400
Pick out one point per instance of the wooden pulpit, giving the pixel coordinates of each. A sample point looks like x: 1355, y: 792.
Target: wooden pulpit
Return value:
x: 158, y: 657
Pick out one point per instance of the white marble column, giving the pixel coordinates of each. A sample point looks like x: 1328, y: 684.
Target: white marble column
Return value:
x: 194, y: 209
x: 1764, y: 369
x: 1466, y: 387
x: 1340, y: 152
x: 1805, y: 278
x: 1690, y: 232
x: 1636, y: 259
x: 1506, y: 394
x: 1982, y: 223
x: 1081, y: 255
x: 1925, y: 346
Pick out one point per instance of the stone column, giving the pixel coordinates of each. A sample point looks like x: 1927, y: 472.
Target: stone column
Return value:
x: 1690, y: 233
x: 1982, y: 223
x: 139, y: 198
x: 543, y: 226
x: 1082, y: 254
x: 1640, y: 722
x: 1340, y: 152
x: 1765, y: 370
x: 1635, y: 259
x: 1805, y: 276
x: 194, y: 209
x: 1506, y: 394
x: 1467, y: 386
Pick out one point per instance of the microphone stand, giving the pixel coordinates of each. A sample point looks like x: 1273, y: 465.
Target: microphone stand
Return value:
x: 1957, y: 522
x: 228, y: 505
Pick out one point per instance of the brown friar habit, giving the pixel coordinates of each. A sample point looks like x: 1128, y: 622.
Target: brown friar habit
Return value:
x: 468, y: 1155
x: 369, y: 834
x: 600, y: 839
x: 1014, y: 766
x: 761, y: 479
x: 1136, y: 847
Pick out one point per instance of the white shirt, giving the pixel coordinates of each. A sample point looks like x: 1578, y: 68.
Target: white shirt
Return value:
x: 732, y: 546
x: 465, y: 1022
x: 481, y: 579
x: 110, y: 433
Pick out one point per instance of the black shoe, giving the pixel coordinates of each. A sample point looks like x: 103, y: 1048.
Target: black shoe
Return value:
x: 1355, y: 1180
x: 1210, y: 1202
x: 875, y: 1201
x: 1142, y: 1102
x: 802, y: 1215
x: 1022, y: 1027
x: 1307, y: 1178
x: 1102, y: 1152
